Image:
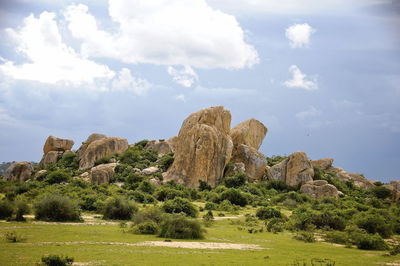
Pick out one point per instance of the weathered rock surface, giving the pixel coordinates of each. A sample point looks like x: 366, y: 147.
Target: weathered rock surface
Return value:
x: 48, y: 158
x: 247, y: 138
x: 56, y: 144
x: 357, y: 179
x: 161, y: 146
x: 319, y: 188
x: 155, y: 182
x: 298, y: 169
x: 395, y: 184
x: 203, y: 148
x: 90, y: 139
x: 250, y: 133
x: 323, y: 164
x: 278, y: 171
x: 150, y: 170
x: 40, y: 173
x: 103, y: 173
x: 173, y: 142
x: 18, y: 171
x: 101, y: 148
x: 85, y: 176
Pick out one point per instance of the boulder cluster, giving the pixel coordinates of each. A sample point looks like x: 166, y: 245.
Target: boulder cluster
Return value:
x: 204, y: 147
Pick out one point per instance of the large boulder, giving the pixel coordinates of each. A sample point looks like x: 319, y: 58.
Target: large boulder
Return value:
x: 18, y: 171
x: 49, y: 158
x: 323, y: 164
x: 319, y: 188
x: 161, y: 146
x: 56, y: 144
x: 278, y: 171
x: 103, y: 173
x: 101, y: 148
x: 173, y: 142
x: 247, y: 138
x: 357, y: 179
x: 203, y: 148
x: 298, y: 169
x: 90, y: 139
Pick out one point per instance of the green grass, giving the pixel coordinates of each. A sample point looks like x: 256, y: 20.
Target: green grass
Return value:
x: 280, y: 249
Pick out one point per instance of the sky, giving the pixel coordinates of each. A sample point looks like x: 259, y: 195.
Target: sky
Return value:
x: 322, y: 76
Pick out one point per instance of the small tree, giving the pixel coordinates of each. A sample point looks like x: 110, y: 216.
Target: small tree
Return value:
x: 56, y: 208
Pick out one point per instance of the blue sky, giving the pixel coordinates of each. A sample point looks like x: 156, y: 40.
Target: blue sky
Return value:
x: 323, y: 76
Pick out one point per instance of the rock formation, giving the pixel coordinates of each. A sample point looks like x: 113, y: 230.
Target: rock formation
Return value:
x: 56, y: 144
x: 100, y: 148
x: 90, y: 139
x: 48, y: 158
x: 247, y: 138
x: 323, y: 164
x: 319, y: 188
x: 103, y: 173
x: 172, y: 142
x: 357, y: 179
x: 161, y: 146
x: 18, y: 171
x: 203, y: 148
x: 294, y: 170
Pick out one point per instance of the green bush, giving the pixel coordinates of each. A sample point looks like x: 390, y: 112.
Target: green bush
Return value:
x: 236, y: 181
x: 180, y: 205
x: 305, y: 236
x: 57, y: 177
x: 146, y: 228
x: 381, y: 192
x: 210, y: 206
x: 119, y: 208
x: 265, y: 213
x: 6, y: 209
x: 147, y: 187
x: 235, y: 196
x: 103, y: 160
x: 166, y: 161
x: 337, y: 237
x: 203, y: 186
x: 56, y: 260
x: 69, y: 160
x: 180, y: 227
x: 21, y: 209
x: 167, y: 193
x: 275, y: 225
x: 374, y: 223
x: 56, y: 208
x: 151, y: 214
x: 14, y: 237
x: 371, y: 242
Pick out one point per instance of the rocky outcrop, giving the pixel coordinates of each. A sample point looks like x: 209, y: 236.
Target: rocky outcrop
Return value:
x: 161, y: 146
x: 323, y: 164
x: 56, y: 144
x: 18, y: 171
x: 298, y: 169
x: 101, y: 148
x: 103, y: 173
x: 203, y: 148
x: 278, y: 171
x: 247, y: 138
x: 357, y: 179
x: 173, y: 142
x: 49, y: 158
x: 40, y: 174
x: 319, y: 188
x: 150, y: 170
x: 90, y: 139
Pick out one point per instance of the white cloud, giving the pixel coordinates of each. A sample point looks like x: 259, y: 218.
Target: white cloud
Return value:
x: 309, y: 113
x: 184, y: 76
x: 176, y: 32
x: 299, y: 35
x: 126, y: 82
x: 50, y: 60
x: 299, y: 80
x: 180, y: 97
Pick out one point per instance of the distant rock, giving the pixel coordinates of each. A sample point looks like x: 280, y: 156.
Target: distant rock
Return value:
x: 103, y: 173
x: 247, y: 138
x: 319, y: 188
x: 161, y: 146
x: 49, y: 158
x: 39, y: 174
x: 155, y: 182
x: 18, y: 171
x: 85, y: 176
x: 90, y: 139
x: 298, y: 169
x: 150, y: 170
x: 56, y: 144
x: 101, y: 148
x: 323, y: 164
x: 203, y: 148
x: 357, y: 179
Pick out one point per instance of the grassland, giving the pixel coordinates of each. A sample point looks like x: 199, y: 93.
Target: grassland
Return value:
x: 99, y: 242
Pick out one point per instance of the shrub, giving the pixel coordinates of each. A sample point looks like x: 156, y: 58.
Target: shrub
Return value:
x: 166, y: 161
x: 146, y: 228
x: 208, y: 218
x: 6, y: 209
x: 236, y: 181
x: 275, y: 225
x: 56, y: 260
x: 374, y: 223
x: 21, y: 209
x: 179, y: 205
x: 337, y: 237
x: 168, y: 193
x: 203, y: 186
x: 235, y: 196
x: 275, y: 159
x: 69, y: 160
x: 119, y: 208
x: 146, y: 187
x: 265, y: 213
x: 305, y: 236
x: 180, y: 227
x: 371, y: 242
x: 57, y: 177
x: 210, y: 206
x: 142, y: 197
x: 56, y: 208
x: 103, y: 160
x: 381, y: 192
x: 153, y: 214
x: 14, y: 237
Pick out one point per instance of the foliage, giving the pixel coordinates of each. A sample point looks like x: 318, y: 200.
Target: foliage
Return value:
x: 6, y: 209
x: 235, y: 196
x: 13, y: 237
x: 56, y: 208
x: 146, y: 228
x: 152, y: 214
x: 210, y: 206
x: 180, y: 205
x: 305, y: 236
x: 265, y: 213
x: 119, y: 208
x: 275, y: 159
x: 236, y: 181
x: 21, y: 209
x: 381, y: 192
x: 203, y: 186
x: 56, y: 260
x: 166, y: 161
x: 180, y: 227
x: 68, y: 160
x: 58, y: 176
x: 147, y: 187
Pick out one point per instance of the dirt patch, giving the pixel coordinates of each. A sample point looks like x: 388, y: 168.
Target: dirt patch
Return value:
x: 395, y: 263
x: 218, y: 218
x: 172, y: 244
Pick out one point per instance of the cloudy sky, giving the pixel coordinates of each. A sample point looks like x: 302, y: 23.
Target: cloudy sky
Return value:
x: 323, y: 76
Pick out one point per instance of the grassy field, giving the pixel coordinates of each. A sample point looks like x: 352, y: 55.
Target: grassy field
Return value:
x: 98, y: 242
